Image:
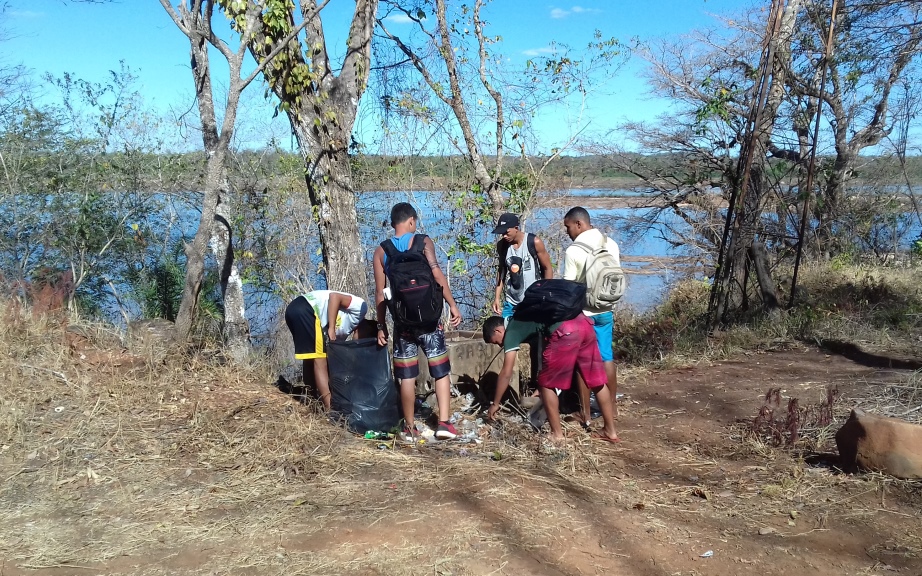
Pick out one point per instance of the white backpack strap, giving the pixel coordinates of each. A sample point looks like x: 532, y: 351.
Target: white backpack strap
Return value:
x: 584, y: 246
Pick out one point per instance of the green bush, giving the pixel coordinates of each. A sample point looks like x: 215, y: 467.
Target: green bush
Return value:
x: 679, y: 322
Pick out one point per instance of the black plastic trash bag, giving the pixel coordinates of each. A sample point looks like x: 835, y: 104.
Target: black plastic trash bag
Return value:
x: 363, y: 393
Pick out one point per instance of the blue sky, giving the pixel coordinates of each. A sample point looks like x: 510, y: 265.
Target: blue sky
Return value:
x: 88, y: 40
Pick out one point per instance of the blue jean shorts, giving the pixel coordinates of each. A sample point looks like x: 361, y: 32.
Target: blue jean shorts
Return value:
x: 604, y: 325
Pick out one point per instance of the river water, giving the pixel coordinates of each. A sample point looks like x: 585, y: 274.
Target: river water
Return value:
x: 645, y: 254
x: 649, y: 253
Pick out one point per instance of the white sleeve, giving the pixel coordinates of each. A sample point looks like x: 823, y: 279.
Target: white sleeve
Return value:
x: 348, y: 319
x: 568, y: 266
x: 356, y: 305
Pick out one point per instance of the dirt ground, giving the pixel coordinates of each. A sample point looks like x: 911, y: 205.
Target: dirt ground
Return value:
x: 226, y: 475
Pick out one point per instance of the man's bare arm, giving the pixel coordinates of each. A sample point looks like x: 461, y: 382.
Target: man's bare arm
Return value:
x: 502, y: 382
x: 380, y: 282
x: 338, y: 301
x: 429, y: 251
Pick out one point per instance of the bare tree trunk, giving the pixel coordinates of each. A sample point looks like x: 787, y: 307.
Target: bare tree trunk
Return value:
x: 849, y: 139
x: 487, y: 177
x: 331, y: 192
x: 236, y: 329
x: 321, y: 107
x: 214, y: 228
x: 759, y: 257
x: 195, y: 23
x: 754, y: 181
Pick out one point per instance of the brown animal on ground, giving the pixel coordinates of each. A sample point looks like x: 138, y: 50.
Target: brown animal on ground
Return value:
x: 880, y: 444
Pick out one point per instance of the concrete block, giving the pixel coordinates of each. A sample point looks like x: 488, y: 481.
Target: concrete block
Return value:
x: 473, y: 361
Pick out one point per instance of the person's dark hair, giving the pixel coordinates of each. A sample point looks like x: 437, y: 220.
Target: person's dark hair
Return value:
x: 490, y: 325
x: 401, y: 212
x: 367, y: 328
x: 578, y: 214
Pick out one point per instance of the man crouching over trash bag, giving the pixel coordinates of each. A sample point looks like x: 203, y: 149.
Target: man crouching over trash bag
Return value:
x: 317, y: 317
x: 552, y: 309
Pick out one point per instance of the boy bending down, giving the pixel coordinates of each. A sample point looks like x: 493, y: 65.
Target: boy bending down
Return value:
x: 320, y: 316
x: 569, y: 347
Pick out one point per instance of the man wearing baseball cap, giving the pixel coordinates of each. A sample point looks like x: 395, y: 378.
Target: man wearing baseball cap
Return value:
x: 522, y: 259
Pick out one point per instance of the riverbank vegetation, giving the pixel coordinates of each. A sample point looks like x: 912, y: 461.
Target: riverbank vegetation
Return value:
x: 101, y: 194
x: 869, y: 312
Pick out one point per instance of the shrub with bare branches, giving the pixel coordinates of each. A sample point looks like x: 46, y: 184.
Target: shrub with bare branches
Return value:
x: 786, y: 428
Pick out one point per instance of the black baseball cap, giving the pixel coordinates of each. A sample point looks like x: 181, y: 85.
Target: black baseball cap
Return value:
x: 505, y: 222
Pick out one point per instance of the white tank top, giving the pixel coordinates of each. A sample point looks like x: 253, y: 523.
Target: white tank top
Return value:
x: 517, y: 282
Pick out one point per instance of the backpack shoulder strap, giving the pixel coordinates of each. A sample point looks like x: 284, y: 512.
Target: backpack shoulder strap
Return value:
x: 502, y: 250
x: 530, y: 242
x: 418, y: 244
x: 389, y: 249
x: 584, y: 246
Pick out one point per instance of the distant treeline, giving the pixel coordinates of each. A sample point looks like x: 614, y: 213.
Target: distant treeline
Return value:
x: 259, y: 170
x: 588, y: 171
x: 453, y: 172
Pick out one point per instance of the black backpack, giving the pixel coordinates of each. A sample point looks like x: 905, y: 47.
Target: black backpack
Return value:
x: 552, y: 300
x: 416, y: 298
x: 502, y: 249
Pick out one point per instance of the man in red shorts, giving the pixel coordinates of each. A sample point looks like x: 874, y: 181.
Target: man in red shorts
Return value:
x: 569, y: 347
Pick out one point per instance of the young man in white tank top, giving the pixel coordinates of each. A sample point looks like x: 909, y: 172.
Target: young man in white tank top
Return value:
x: 516, y: 266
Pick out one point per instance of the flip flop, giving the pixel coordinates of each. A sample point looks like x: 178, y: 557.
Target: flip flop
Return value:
x: 604, y: 438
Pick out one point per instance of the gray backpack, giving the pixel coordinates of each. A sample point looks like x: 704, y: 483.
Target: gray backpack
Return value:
x: 605, y: 282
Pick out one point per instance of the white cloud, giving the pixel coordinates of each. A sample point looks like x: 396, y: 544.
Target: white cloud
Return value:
x: 538, y: 51
x: 399, y: 19
x: 25, y: 14
x: 559, y: 13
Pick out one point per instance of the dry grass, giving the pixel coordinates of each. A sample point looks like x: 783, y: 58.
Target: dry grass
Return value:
x: 196, y: 467
x: 878, y: 309
x: 900, y: 397
x: 169, y: 458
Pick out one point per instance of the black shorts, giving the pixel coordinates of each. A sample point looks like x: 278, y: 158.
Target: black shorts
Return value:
x: 305, y: 329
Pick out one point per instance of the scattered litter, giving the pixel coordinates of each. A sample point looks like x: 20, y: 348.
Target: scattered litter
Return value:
x: 766, y: 530
x: 467, y: 402
x: 537, y: 416
x: 422, y: 409
x: 58, y: 409
x: 425, y: 432
x: 374, y: 435
x: 707, y: 554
